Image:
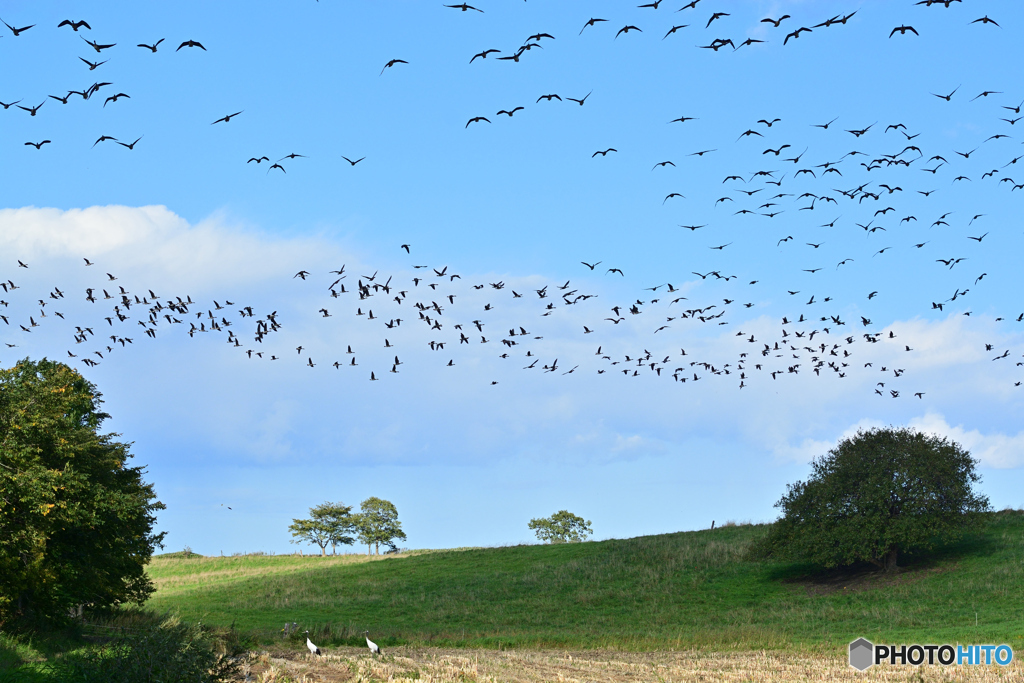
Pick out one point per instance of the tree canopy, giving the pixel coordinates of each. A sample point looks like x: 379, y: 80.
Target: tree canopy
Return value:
x: 330, y: 524
x: 76, y: 521
x: 877, y: 494
x: 561, y: 527
x: 378, y: 524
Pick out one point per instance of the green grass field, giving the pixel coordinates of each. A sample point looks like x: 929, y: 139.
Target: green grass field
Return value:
x: 680, y: 590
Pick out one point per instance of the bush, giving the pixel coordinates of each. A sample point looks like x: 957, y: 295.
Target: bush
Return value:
x: 162, y: 650
x: 875, y: 495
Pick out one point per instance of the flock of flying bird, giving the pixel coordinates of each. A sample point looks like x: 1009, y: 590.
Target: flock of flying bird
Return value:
x: 813, y: 338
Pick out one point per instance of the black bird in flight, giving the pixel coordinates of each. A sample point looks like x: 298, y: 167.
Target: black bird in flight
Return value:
x: 75, y: 25
x: 37, y: 145
x: 352, y: 162
x: 191, y: 43
x: 987, y: 93
x: 949, y: 96
x: 17, y: 31
x: 590, y: 23
x: 129, y: 146
x: 716, y: 15
x: 610, y: 149
x: 465, y: 7
x: 903, y: 31
x: 152, y: 47
x: 114, y: 98
x: 483, y: 55
x: 96, y: 46
x: 983, y: 20
x: 32, y: 110
x: 775, y: 22
x: 509, y: 113
x: 258, y: 160
x: 391, y: 63
x: 796, y: 34
x: 8, y: 105
x: 674, y: 29
x: 589, y: 265
x: 627, y: 29
x: 476, y: 119
x: 580, y: 102
x: 227, y: 118
x: 94, y: 65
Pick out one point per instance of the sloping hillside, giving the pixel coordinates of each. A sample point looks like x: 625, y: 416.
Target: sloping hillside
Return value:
x: 669, y: 591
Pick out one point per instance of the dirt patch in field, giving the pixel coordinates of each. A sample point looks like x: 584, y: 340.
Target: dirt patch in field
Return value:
x: 439, y: 665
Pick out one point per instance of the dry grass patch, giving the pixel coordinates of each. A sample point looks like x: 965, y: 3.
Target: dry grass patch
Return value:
x: 436, y: 665
x: 176, y: 572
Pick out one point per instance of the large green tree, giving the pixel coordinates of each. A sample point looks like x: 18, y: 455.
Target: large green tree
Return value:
x: 329, y: 524
x: 76, y: 521
x: 561, y: 527
x: 377, y: 524
x: 875, y: 495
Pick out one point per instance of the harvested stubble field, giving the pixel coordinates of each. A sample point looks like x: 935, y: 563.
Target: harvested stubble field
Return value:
x: 438, y: 665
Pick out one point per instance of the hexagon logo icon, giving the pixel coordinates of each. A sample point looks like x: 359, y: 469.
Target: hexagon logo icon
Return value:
x: 862, y: 654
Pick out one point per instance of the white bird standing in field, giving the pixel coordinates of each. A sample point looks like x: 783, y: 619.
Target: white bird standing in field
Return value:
x: 370, y: 644
x: 312, y: 648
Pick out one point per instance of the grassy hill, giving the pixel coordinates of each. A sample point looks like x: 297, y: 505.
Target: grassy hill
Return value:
x: 678, y: 590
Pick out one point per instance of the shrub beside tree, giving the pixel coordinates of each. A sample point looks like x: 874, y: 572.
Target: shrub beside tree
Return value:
x: 76, y: 520
x: 561, y: 527
x: 876, y: 495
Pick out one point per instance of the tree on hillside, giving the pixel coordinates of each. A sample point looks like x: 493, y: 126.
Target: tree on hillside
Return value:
x: 561, y: 527
x: 377, y: 524
x: 330, y: 524
x: 877, y: 494
x: 76, y: 521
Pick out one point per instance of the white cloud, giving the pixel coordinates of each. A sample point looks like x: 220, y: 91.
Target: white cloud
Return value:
x: 154, y: 241
x: 1001, y: 451
x: 250, y: 407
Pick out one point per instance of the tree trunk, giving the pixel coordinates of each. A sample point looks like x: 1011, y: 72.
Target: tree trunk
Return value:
x: 323, y: 551
x: 890, y: 560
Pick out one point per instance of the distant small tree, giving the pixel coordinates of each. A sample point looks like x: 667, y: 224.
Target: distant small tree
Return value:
x: 877, y: 494
x: 377, y: 524
x: 561, y: 527
x: 330, y: 524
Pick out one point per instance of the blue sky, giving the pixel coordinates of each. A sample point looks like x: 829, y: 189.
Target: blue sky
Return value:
x: 521, y: 200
